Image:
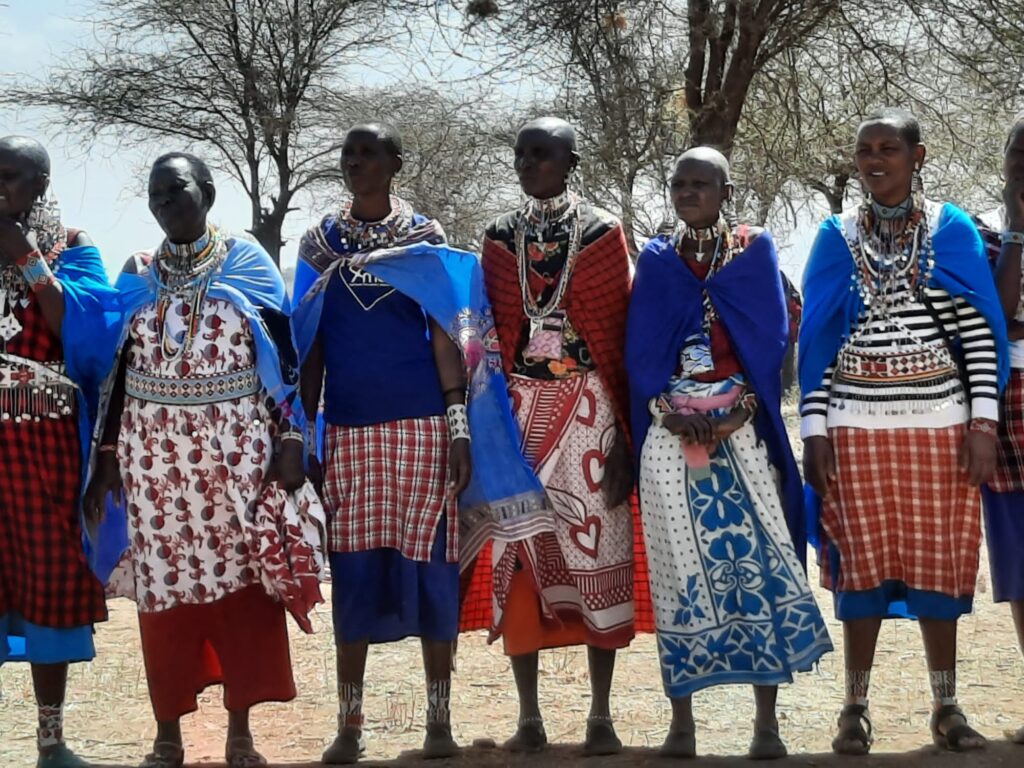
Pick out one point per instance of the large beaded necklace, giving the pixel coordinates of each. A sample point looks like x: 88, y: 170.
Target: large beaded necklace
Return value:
x: 725, y: 247
x: 536, y: 218
x: 356, y: 235
x: 183, y: 271
x: 893, y: 246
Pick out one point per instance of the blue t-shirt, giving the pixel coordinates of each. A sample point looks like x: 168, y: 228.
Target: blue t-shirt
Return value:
x: 377, y: 354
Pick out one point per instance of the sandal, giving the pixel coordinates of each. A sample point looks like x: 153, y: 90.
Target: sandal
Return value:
x: 767, y: 744
x: 858, y: 728
x: 601, y: 738
x: 60, y: 756
x: 165, y: 754
x: 953, y: 739
x: 530, y: 736
x: 348, y: 746
x: 244, y: 756
x: 679, y: 744
x: 438, y: 743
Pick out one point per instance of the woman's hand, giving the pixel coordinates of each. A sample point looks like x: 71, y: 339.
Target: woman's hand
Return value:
x: 106, y: 479
x: 13, y: 242
x: 617, y: 483
x: 287, y: 470
x: 819, y: 464
x: 460, y: 467
x: 978, y: 455
x: 693, y: 428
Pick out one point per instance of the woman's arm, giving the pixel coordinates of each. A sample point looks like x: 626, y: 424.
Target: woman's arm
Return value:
x: 451, y: 374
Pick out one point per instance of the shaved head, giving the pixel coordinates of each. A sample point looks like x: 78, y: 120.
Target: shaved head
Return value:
x: 557, y: 128
x: 28, y: 151
x: 386, y: 134
x: 710, y: 156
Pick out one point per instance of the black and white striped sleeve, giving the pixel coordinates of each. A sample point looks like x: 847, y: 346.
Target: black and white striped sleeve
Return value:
x: 980, y: 359
x: 814, y: 408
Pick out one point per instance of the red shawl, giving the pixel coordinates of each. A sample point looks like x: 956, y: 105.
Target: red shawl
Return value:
x: 596, y: 302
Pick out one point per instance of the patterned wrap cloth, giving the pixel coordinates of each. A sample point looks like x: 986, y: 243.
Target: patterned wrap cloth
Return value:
x: 562, y: 556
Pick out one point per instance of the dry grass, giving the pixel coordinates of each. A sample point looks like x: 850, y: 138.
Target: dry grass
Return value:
x: 109, y: 719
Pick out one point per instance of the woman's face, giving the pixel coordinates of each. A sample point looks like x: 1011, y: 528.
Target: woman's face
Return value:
x: 698, y: 190
x: 177, y: 201
x: 366, y: 164
x: 20, y: 184
x: 542, y: 162
x: 886, y: 161
x: 1013, y: 158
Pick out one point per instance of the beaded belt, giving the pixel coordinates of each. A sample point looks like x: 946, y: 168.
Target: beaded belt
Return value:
x: 196, y: 391
x: 914, y: 366
x: 34, y: 390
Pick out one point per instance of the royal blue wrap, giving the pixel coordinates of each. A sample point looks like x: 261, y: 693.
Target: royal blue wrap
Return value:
x: 832, y: 302
x: 747, y: 293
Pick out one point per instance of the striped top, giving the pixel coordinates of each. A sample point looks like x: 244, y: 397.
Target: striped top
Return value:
x: 896, y: 369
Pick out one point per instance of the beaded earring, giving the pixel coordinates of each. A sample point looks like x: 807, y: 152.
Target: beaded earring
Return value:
x: 917, y: 188
x: 44, y: 219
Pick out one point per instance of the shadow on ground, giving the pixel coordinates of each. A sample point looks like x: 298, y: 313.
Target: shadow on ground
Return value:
x: 998, y: 755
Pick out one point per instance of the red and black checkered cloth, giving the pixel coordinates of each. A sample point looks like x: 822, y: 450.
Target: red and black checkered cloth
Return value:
x: 596, y: 303
x: 44, y: 574
x: 386, y: 487
x: 1009, y: 475
x: 902, y: 510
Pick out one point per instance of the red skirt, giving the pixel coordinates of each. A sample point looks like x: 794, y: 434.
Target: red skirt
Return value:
x: 44, y: 574
x: 240, y: 641
x: 901, y: 510
x: 1009, y: 474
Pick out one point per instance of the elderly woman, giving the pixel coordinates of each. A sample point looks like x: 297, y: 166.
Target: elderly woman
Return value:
x: 708, y: 332
x: 902, y: 356
x: 53, y: 291
x: 198, y: 427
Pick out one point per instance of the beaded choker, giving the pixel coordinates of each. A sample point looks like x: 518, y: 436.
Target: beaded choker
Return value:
x: 701, y: 236
x: 543, y: 212
x: 892, y: 211
x: 183, y: 270
x: 356, y: 235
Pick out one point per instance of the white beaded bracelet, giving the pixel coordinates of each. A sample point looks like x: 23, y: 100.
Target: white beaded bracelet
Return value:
x: 1010, y: 236
x: 458, y: 422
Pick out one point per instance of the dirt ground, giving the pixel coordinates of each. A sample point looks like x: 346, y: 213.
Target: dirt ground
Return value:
x: 109, y: 720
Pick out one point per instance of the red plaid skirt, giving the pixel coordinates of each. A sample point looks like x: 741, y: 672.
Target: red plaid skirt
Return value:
x: 1009, y: 474
x: 386, y: 487
x: 901, y: 509
x: 44, y: 575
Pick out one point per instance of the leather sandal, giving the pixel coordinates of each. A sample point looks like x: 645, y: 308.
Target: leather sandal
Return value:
x: 953, y: 738
x: 857, y: 728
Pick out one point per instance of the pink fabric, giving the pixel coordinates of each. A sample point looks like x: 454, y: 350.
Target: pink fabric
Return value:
x: 697, y: 455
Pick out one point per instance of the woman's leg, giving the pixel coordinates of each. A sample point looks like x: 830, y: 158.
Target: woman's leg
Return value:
x: 940, y: 649
x: 601, y: 737
x: 437, y: 663
x: 348, y: 744
x: 530, y: 735
x: 860, y: 636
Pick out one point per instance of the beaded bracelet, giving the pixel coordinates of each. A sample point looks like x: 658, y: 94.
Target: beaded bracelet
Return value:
x: 108, y: 448
x: 296, y: 436
x: 1009, y: 236
x: 458, y: 421
x: 985, y: 426
x: 36, y: 271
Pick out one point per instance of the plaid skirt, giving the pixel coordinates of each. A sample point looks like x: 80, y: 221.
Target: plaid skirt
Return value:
x: 901, y: 510
x: 1009, y: 474
x: 385, y: 486
x: 44, y: 574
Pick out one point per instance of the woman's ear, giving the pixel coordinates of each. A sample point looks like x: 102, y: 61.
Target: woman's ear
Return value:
x: 920, y: 151
x: 210, y: 193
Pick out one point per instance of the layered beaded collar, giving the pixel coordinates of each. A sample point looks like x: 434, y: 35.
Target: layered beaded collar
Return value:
x: 893, y: 211
x: 356, y: 235
x: 539, y: 213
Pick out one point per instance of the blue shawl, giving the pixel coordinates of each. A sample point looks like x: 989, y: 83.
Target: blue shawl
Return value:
x: 747, y: 293
x: 448, y: 284
x: 89, y: 339
x: 832, y: 303
x: 250, y: 280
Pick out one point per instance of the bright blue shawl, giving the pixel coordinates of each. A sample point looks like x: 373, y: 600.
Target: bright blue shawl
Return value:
x: 448, y: 284
x: 832, y: 302
x: 248, y: 279
x: 667, y: 308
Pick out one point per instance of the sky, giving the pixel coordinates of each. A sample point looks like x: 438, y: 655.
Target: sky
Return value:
x: 102, y: 188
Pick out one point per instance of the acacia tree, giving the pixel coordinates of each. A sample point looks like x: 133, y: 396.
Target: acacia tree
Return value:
x: 254, y: 81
